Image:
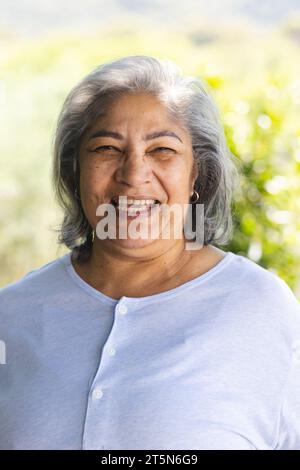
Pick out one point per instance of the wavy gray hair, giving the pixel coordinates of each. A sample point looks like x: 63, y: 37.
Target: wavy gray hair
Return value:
x: 187, y: 99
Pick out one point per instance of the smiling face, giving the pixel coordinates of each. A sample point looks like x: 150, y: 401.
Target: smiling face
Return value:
x: 135, y: 150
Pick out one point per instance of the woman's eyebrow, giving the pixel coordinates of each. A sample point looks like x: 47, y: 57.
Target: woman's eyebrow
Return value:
x: 116, y: 135
x: 156, y: 134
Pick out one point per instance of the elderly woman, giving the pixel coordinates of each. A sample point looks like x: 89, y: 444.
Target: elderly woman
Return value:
x: 131, y: 342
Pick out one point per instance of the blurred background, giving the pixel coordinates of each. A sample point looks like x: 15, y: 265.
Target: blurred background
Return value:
x: 247, y: 51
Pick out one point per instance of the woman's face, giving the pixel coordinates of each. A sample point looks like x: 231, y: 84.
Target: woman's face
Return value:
x: 135, y: 150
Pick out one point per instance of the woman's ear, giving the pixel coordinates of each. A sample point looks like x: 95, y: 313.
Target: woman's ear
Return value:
x: 195, y: 173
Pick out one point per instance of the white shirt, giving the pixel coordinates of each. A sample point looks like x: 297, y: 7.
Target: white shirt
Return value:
x: 211, y: 364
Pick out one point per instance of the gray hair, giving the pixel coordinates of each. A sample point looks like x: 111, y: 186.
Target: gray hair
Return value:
x: 187, y: 99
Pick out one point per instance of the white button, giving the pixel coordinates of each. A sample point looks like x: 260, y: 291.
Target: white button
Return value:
x: 122, y: 309
x: 97, y: 393
x: 112, y: 351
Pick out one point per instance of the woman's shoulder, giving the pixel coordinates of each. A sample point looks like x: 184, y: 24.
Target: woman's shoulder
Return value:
x: 35, y: 284
x: 247, y: 276
x: 263, y: 280
x: 264, y: 290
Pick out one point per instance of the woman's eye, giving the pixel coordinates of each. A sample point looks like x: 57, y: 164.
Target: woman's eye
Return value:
x: 164, y: 148
x: 110, y: 148
x: 106, y: 147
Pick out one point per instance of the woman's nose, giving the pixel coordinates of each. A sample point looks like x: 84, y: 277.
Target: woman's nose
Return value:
x: 134, y: 169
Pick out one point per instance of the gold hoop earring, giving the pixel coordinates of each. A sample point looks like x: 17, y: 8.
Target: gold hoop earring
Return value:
x: 197, y: 196
x: 93, y: 235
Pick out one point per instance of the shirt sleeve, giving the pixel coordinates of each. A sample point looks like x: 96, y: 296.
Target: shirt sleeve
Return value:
x: 289, y: 425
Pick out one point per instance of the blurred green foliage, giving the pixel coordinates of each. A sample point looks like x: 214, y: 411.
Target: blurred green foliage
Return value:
x: 255, y: 79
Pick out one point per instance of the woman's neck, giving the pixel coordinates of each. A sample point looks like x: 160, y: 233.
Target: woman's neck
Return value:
x: 118, y: 275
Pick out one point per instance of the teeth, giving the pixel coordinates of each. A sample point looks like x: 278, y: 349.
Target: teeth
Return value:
x: 139, y: 202
x: 133, y: 206
x: 134, y: 202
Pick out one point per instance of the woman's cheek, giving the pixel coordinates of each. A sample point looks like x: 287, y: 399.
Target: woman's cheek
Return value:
x: 178, y: 175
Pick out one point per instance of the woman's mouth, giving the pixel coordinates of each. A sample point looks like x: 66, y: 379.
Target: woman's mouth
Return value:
x: 134, y: 207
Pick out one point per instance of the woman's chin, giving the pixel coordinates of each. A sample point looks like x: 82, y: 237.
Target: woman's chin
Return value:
x: 130, y: 243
